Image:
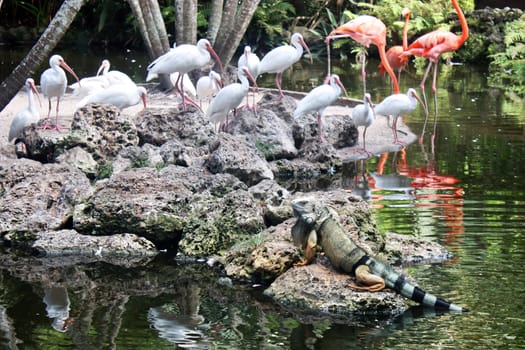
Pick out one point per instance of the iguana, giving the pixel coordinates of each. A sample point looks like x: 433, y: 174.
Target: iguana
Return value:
x: 318, y: 224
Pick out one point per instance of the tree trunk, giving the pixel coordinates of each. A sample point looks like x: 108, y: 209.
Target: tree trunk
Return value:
x: 214, y: 22
x: 153, y: 31
x: 186, y: 21
x: 233, y: 27
x: 40, y: 51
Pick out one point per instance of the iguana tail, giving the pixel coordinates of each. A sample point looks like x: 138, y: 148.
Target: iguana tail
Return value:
x: 398, y: 282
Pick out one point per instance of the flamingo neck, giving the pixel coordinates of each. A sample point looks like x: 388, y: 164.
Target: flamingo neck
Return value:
x: 387, y: 67
x: 463, y: 22
x: 405, y: 33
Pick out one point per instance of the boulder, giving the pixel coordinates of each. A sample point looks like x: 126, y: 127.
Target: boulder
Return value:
x: 207, y: 212
x: 38, y: 197
x: 99, y: 130
x: 235, y: 155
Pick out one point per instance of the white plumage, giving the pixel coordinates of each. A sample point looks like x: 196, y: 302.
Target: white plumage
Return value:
x: 397, y: 105
x: 183, y: 59
x: 53, y: 83
x: 120, y: 95
x: 282, y: 57
x: 26, y: 116
x: 250, y: 60
x: 114, y: 77
x: 208, y: 86
x: 363, y: 115
x: 318, y: 99
x: 229, y: 97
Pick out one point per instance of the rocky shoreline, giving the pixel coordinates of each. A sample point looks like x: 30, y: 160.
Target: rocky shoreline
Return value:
x: 120, y: 184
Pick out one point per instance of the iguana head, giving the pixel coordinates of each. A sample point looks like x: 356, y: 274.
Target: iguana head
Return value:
x: 310, y: 213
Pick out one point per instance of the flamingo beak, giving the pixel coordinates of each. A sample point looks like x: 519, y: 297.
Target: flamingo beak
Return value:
x: 303, y: 43
x: 340, y: 32
x: 64, y: 65
x: 215, y: 56
x: 33, y: 87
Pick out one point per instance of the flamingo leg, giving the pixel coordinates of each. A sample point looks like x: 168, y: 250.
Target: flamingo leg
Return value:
x: 422, y: 87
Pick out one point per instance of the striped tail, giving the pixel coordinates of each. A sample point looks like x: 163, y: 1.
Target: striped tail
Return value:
x: 399, y: 283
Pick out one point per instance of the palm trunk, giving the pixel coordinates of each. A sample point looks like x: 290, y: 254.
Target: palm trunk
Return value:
x: 153, y: 31
x: 40, y: 51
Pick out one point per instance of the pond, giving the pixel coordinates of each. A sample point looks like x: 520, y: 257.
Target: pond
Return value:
x: 465, y: 191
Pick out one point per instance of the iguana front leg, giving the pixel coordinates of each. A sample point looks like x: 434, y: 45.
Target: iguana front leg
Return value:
x: 309, y: 247
x: 372, y: 282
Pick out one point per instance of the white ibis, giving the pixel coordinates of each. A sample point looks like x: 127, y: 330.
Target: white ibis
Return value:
x: 26, y: 116
x: 185, y: 84
x: 283, y: 57
x: 119, y: 95
x: 364, y: 115
x: 397, y: 105
x: 89, y: 85
x: 113, y: 76
x: 318, y: 99
x: 229, y: 98
x: 208, y: 86
x: 53, y: 83
x: 250, y: 60
x: 183, y: 59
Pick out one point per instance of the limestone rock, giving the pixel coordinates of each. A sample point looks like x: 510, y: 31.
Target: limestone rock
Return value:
x: 234, y: 155
x: 174, y: 203
x: 37, y: 197
x: 318, y: 289
x: 99, y: 129
x: 160, y: 125
x: 270, y: 133
x: 70, y: 242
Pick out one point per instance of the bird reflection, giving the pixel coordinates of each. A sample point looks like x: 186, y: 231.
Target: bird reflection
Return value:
x: 181, y: 323
x: 57, y: 307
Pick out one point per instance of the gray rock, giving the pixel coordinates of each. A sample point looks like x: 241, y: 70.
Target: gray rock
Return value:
x: 208, y: 212
x: 270, y: 133
x: 158, y: 126
x: 70, y: 242
x: 80, y: 159
x: 234, y: 155
x: 37, y: 197
x: 99, y: 129
x: 318, y: 289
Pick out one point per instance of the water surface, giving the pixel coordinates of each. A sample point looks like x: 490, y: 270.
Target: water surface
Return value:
x: 465, y: 191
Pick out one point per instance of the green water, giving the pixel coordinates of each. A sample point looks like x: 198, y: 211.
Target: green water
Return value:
x: 467, y: 192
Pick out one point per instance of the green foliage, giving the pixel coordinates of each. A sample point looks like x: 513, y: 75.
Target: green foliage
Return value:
x: 507, y: 67
x: 265, y: 148
x: 104, y: 170
x: 269, y: 21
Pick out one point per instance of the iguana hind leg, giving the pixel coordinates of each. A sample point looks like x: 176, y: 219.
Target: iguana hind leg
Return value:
x: 373, y: 283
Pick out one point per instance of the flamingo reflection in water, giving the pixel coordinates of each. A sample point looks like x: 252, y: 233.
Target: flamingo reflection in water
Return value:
x: 415, y: 186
